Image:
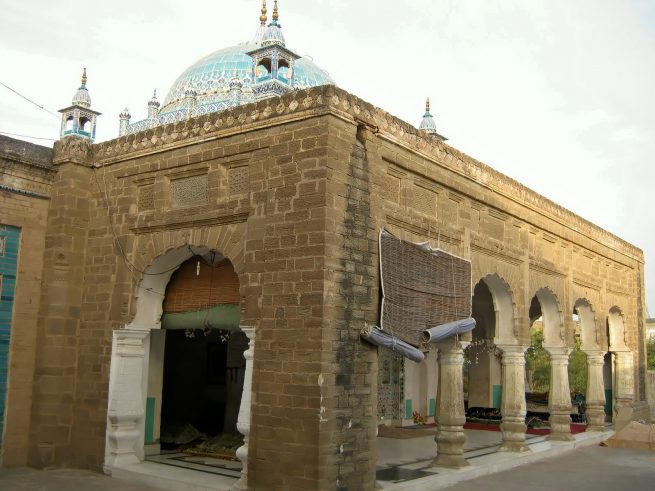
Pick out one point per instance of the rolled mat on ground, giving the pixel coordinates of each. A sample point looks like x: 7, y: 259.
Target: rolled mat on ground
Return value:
x: 378, y: 337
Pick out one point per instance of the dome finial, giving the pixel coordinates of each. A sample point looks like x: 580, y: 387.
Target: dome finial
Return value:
x: 84, y: 77
x: 427, y: 105
x: 263, y: 18
x: 275, y: 12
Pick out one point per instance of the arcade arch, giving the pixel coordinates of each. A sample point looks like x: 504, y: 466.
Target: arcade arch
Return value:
x: 622, y: 361
x: 545, y: 306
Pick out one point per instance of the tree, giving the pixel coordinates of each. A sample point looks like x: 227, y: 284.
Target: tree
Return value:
x: 537, y: 362
x: 650, y: 353
x: 578, y: 369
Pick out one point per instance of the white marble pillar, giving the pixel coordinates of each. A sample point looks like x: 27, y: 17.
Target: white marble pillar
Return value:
x: 126, y: 398
x: 595, y: 398
x: 624, y: 385
x: 243, y: 421
x: 513, y: 407
x: 450, y: 413
x: 559, y: 397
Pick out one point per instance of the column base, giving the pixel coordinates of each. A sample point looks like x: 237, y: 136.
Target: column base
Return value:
x: 450, y: 448
x: 560, y: 427
x: 450, y: 461
x: 513, y: 436
x: 595, y: 418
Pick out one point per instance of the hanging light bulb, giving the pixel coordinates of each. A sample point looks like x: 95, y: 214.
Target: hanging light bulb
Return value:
x: 198, y: 268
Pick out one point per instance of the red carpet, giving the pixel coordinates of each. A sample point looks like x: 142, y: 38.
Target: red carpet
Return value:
x: 575, y: 428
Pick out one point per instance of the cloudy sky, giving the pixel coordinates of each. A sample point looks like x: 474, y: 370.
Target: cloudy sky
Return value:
x: 557, y: 94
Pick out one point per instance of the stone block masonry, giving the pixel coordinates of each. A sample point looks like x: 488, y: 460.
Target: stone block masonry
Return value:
x: 294, y: 192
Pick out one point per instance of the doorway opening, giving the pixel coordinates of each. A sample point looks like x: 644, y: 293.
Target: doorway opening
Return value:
x: 197, y: 368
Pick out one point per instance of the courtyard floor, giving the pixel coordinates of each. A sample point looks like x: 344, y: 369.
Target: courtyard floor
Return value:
x: 403, y: 464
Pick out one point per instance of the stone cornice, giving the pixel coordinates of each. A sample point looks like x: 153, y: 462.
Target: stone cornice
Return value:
x: 332, y: 100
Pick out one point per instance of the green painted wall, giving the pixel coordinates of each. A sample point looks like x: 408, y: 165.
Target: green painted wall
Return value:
x: 497, y: 396
x: 9, y: 242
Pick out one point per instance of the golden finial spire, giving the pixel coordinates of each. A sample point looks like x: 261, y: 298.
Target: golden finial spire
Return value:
x: 263, y: 18
x: 84, y: 77
x: 275, y: 12
x: 427, y: 105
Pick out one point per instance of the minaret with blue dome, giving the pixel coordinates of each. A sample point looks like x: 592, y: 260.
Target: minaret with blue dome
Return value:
x: 78, y: 118
x: 428, y: 124
x: 261, y: 68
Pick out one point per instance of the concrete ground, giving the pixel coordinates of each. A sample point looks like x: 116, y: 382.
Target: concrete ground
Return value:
x: 591, y: 468
x: 63, y: 480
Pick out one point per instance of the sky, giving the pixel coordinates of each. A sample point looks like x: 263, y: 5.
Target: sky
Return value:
x: 557, y: 94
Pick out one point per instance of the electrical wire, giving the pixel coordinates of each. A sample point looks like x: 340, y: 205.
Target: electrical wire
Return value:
x: 29, y: 100
x: 27, y: 136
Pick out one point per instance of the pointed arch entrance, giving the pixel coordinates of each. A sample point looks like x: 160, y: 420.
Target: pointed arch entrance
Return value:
x: 172, y: 365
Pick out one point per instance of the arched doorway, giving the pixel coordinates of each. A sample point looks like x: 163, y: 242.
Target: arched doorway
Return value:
x: 152, y: 388
x: 203, y: 366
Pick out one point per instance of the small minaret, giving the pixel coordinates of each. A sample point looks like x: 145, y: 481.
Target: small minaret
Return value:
x: 262, y: 25
x: 235, y: 89
x: 427, y: 123
x: 124, y: 122
x: 153, y: 106
x: 189, y: 101
x: 78, y: 118
x: 273, y: 62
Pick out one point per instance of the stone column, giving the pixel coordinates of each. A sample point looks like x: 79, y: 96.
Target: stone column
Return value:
x: 559, y: 397
x: 126, y: 398
x: 595, y: 400
x: 450, y: 413
x: 243, y: 421
x: 624, y: 385
x: 513, y: 407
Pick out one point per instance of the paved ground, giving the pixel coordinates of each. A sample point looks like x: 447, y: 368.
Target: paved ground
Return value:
x: 586, y: 469
x: 592, y: 468
x: 63, y: 480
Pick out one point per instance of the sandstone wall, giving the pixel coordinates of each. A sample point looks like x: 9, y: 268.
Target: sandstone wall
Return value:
x: 293, y: 191
x: 24, y: 190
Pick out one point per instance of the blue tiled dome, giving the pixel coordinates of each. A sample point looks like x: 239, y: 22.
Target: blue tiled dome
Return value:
x: 210, y: 77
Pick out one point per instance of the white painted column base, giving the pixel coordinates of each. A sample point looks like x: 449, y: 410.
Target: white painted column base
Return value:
x: 126, y: 399
x: 243, y: 421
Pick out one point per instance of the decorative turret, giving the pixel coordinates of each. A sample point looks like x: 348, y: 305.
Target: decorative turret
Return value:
x: 124, y: 122
x: 78, y: 118
x: 262, y: 25
x: 235, y: 89
x: 189, y: 98
x: 273, y: 33
x: 153, y: 106
x: 427, y: 123
x: 272, y: 68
